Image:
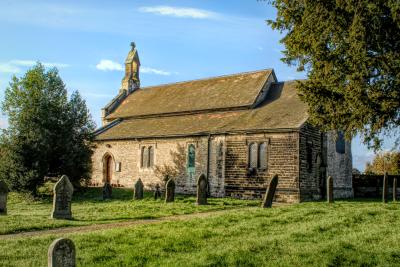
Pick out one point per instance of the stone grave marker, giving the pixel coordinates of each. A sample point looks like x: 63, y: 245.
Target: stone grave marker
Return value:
x: 107, y: 191
x: 157, y: 192
x: 329, y: 189
x: 170, y: 191
x: 62, y: 253
x: 62, y: 198
x: 385, y: 188
x: 138, y: 189
x: 202, y: 190
x: 270, y: 193
x: 3, y: 198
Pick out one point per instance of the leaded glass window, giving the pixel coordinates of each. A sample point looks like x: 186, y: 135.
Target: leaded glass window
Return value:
x: 262, y: 156
x: 253, y: 155
x: 191, y: 156
x: 151, y: 157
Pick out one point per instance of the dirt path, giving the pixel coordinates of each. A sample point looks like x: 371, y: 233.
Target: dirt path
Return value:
x: 97, y: 227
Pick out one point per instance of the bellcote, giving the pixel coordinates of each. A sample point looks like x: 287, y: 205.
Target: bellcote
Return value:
x: 131, y: 80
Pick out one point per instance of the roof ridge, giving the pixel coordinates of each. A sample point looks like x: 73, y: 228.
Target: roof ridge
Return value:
x: 208, y: 78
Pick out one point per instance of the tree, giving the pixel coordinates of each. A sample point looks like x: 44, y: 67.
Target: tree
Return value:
x: 351, y: 52
x: 384, y: 162
x: 48, y: 134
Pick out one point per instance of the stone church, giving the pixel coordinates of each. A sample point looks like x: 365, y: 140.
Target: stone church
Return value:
x: 237, y: 129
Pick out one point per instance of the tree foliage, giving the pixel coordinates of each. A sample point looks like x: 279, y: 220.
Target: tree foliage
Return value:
x: 384, y: 162
x: 48, y: 134
x: 351, y: 52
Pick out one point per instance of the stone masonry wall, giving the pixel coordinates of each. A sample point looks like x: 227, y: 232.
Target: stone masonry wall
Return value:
x: 282, y: 159
x: 127, y: 153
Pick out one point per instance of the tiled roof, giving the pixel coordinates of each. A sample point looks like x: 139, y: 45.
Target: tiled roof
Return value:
x: 224, y: 92
x: 282, y: 109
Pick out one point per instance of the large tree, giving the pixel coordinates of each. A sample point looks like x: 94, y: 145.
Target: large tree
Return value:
x: 351, y: 52
x: 48, y: 134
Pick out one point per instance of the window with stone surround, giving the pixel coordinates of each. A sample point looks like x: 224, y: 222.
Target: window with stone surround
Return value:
x: 142, y: 157
x: 340, y: 143
x: 253, y: 156
x: 309, y: 155
x: 191, y: 159
x: 262, y: 156
x: 150, y: 162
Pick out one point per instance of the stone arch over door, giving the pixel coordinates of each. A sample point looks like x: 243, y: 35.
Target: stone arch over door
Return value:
x: 108, y: 167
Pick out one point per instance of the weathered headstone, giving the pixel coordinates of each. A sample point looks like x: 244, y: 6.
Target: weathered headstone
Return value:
x: 107, y: 191
x: 63, y: 191
x: 329, y: 189
x: 202, y: 190
x: 270, y: 193
x: 385, y: 188
x: 170, y: 190
x: 62, y: 253
x: 394, y: 189
x: 157, y: 192
x: 3, y: 198
x: 138, y: 189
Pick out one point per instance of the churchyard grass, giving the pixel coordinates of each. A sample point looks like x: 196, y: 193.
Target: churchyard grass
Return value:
x: 26, y: 214
x: 344, y: 233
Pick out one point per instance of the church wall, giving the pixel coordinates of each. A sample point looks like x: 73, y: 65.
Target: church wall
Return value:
x: 282, y: 159
x: 128, y: 154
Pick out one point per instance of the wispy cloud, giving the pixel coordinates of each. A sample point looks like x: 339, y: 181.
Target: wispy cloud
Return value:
x: 179, y: 12
x: 30, y: 63
x: 155, y: 71
x: 109, y: 65
x: 13, y: 66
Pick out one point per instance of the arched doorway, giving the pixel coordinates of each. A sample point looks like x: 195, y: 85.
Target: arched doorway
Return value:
x: 108, y: 167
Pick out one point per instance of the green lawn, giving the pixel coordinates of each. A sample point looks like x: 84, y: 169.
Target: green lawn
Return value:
x: 347, y: 233
x: 88, y: 208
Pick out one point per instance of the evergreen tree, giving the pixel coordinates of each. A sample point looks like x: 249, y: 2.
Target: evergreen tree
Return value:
x: 48, y: 135
x: 351, y: 51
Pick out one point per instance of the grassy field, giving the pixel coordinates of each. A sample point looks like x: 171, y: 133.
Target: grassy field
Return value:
x: 347, y: 233
x: 88, y: 208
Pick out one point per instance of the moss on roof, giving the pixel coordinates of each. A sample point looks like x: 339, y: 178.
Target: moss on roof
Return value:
x: 282, y: 109
x: 213, y: 93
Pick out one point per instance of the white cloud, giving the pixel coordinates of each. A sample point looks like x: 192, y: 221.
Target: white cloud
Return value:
x: 155, y: 71
x: 12, y: 66
x: 180, y: 12
x: 8, y: 68
x: 30, y: 63
x: 109, y: 65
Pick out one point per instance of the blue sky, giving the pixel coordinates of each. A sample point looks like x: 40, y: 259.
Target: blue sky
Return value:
x: 176, y: 40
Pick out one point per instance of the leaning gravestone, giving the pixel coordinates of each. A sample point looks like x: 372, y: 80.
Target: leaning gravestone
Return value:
x: 329, y: 189
x: 3, y: 198
x: 201, y: 190
x: 394, y: 189
x: 62, y: 253
x: 170, y: 191
x: 157, y: 192
x: 385, y: 188
x: 138, y: 189
x: 63, y: 191
x: 269, y: 195
x: 107, y: 191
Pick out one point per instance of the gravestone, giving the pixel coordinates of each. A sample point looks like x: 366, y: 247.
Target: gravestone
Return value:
x: 329, y: 189
x: 3, y: 198
x: 394, y: 189
x: 385, y: 188
x: 202, y: 190
x: 170, y: 191
x: 157, y: 192
x: 63, y: 191
x: 107, y: 191
x: 62, y: 253
x: 138, y: 189
x: 270, y: 193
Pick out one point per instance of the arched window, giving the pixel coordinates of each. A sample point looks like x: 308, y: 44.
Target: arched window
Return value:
x: 151, y: 157
x: 253, y: 155
x: 340, y: 143
x: 191, y: 156
x: 262, y: 156
x: 144, y: 157
x: 309, y: 150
